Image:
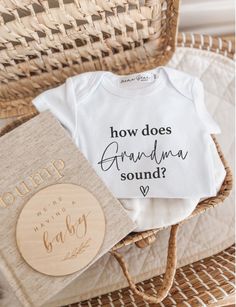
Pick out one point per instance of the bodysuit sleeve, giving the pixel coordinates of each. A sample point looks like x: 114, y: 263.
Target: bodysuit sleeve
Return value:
x: 198, y: 97
x: 192, y: 88
x: 61, y: 103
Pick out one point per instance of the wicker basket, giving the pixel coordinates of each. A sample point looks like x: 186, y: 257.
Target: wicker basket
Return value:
x: 44, y: 42
x: 145, y: 238
x: 206, y: 282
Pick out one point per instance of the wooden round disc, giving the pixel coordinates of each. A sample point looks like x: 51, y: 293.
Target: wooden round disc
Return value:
x: 60, y: 229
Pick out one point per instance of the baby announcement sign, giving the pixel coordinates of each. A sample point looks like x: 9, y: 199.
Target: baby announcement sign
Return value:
x: 150, y: 160
x: 56, y: 215
x: 60, y: 229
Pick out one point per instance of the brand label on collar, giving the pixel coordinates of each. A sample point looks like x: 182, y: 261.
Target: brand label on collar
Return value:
x: 137, y: 79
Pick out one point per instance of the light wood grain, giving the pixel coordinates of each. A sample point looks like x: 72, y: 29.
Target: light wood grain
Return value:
x: 60, y: 229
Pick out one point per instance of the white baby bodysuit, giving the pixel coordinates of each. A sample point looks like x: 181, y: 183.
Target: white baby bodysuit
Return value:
x: 146, y: 135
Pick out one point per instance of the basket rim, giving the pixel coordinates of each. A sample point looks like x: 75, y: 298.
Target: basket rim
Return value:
x: 22, y: 107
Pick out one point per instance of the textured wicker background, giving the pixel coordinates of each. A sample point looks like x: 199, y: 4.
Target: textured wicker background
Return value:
x: 44, y: 42
x: 204, y: 283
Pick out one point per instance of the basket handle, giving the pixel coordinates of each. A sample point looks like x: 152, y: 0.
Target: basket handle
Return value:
x: 169, y: 274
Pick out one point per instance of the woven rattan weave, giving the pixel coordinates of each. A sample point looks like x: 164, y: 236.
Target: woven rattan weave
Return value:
x: 202, y: 283
x: 44, y: 42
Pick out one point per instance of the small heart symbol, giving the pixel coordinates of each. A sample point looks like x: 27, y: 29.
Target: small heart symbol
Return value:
x: 144, y: 190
